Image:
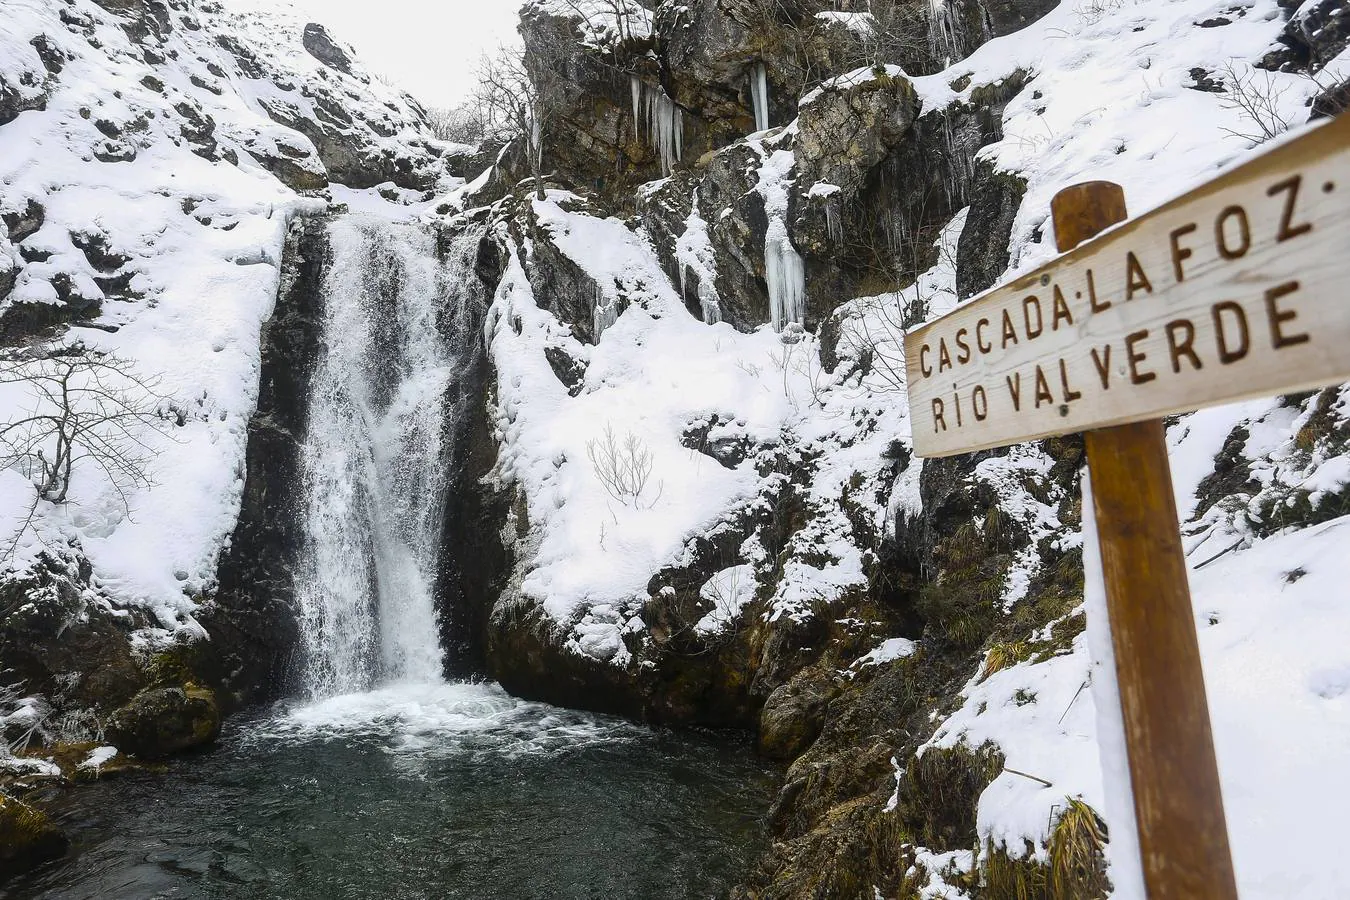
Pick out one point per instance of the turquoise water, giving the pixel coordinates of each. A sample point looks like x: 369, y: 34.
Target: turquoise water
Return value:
x: 443, y: 791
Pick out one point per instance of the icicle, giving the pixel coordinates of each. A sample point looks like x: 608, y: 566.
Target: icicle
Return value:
x: 665, y: 125
x: 712, y: 306
x: 605, y: 313
x: 944, y: 31
x: 962, y: 163
x: 759, y: 96
x: 785, y: 274
x: 833, y: 226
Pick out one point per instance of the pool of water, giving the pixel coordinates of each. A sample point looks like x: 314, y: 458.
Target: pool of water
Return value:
x: 437, y: 791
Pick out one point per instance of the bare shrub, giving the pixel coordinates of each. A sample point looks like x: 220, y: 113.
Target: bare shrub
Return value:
x: 1255, y: 95
x: 624, y: 467
x: 463, y: 124
x: 83, y: 404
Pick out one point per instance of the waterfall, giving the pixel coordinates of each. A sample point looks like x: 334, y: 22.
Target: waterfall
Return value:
x: 759, y: 96
x: 373, y: 463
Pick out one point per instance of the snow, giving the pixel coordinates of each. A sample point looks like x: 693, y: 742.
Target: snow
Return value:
x: 1111, y: 99
x: 863, y: 24
x: 603, y: 23
x: 694, y: 253
x: 727, y: 593
x: 890, y: 650
x: 1276, y: 676
x: 98, y: 758
x: 654, y: 373
x: 852, y: 78
x: 651, y: 374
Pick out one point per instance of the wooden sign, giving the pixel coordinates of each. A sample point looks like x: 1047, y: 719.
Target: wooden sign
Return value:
x: 1239, y: 289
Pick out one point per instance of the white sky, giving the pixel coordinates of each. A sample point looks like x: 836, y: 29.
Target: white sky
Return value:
x: 430, y: 48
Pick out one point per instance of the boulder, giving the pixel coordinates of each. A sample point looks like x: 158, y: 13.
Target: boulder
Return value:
x: 1316, y: 33
x: 160, y: 722
x: 846, y: 130
x: 320, y: 45
x: 58, y: 645
x: 23, y: 223
x: 794, y: 714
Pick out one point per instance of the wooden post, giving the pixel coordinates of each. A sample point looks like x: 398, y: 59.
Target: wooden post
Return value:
x: 1183, y: 838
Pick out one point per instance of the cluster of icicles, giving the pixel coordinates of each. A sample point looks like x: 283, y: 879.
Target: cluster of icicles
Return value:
x: 784, y: 270
x: 665, y: 123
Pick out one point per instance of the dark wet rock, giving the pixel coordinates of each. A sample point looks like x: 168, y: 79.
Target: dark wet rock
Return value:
x: 794, y: 714
x: 20, y: 97
x: 590, y: 133
x: 563, y: 287
x: 295, y: 167
x: 1202, y: 81
x: 1003, y: 17
x: 27, y: 837
x: 571, y: 371
x: 114, y: 151
x: 351, y: 152
x: 1332, y: 101
x: 845, y: 131
x: 320, y: 45
x: 1316, y: 33
x: 26, y: 222
x: 718, y: 438
x: 160, y: 722
x: 198, y: 129
x: 250, y: 617
x: 99, y: 252
x: 9, y: 275
x: 57, y: 645
x: 983, y: 251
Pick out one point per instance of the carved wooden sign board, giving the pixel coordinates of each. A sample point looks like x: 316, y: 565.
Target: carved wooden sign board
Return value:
x: 1239, y: 289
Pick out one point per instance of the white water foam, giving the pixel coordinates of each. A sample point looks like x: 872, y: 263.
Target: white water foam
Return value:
x: 436, y: 720
x: 373, y: 466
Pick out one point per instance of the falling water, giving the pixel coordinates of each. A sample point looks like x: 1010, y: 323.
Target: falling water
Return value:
x: 373, y: 463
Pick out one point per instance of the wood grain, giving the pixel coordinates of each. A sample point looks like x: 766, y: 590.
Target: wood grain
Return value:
x: 1183, y: 838
x: 1234, y: 290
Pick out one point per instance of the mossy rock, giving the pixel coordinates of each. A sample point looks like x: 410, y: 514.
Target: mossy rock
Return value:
x: 794, y: 714
x: 163, y: 721
x: 27, y: 837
